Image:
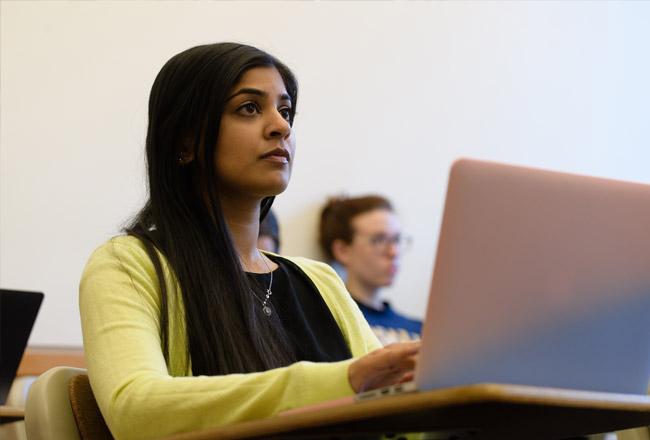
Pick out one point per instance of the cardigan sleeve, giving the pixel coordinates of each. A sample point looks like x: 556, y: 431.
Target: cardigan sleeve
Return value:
x: 139, y: 397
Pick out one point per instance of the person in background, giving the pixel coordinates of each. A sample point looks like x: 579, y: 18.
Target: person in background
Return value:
x: 364, y: 236
x: 269, y: 237
x: 186, y: 323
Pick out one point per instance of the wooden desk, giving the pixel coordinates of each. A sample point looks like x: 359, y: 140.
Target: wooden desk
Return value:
x: 37, y: 360
x: 11, y: 414
x: 486, y: 411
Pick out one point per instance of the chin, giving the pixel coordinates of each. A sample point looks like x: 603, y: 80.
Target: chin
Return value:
x: 277, y: 189
x: 270, y: 190
x: 279, y: 185
x: 388, y: 282
x: 269, y: 185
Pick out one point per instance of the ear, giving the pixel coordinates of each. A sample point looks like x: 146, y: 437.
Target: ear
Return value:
x: 186, y: 152
x: 341, y: 251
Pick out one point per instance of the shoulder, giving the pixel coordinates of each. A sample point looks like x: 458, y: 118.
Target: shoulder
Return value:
x: 323, y: 276
x: 399, y: 320
x: 120, y: 256
x: 315, y: 268
x: 120, y: 246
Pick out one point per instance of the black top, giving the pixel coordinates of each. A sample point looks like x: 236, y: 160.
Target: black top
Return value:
x: 307, y: 320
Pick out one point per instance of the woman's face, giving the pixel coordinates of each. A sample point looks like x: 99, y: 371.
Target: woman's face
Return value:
x: 255, y: 148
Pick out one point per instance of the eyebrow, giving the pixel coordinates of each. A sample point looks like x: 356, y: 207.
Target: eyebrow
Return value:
x: 257, y: 92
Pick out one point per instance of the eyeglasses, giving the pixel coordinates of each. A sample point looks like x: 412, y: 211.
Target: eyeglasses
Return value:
x: 382, y: 242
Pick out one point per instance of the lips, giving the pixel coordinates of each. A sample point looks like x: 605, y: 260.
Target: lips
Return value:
x: 278, y: 155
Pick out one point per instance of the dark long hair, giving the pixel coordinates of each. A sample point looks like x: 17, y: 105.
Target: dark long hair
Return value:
x: 182, y: 218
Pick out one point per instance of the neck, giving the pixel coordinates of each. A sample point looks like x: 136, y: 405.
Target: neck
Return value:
x: 365, y: 294
x: 243, y: 219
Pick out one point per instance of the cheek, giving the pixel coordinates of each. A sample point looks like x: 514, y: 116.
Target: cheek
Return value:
x: 227, y: 157
x: 224, y: 162
x: 365, y: 261
x: 378, y: 265
x: 234, y: 138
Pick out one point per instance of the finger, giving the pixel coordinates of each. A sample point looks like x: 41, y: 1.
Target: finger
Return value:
x: 405, y: 360
x: 407, y: 377
x: 396, y: 354
x: 409, y: 349
x: 405, y: 346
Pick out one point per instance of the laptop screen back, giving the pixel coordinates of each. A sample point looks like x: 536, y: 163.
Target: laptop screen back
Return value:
x: 18, y: 312
x: 541, y: 278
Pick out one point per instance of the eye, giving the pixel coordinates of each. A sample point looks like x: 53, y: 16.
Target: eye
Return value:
x: 378, y: 240
x: 286, y: 113
x: 248, y: 109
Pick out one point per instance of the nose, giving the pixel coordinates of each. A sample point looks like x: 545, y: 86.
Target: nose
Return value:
x: 393, y: 249
x: 277, y: 126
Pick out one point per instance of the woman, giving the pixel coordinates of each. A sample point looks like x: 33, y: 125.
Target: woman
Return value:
x: 186, y: 324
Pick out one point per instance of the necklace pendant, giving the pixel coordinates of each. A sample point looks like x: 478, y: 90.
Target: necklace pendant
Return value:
x: 267, y: 310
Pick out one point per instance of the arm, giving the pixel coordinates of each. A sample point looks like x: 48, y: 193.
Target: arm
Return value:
x: 139, y: 394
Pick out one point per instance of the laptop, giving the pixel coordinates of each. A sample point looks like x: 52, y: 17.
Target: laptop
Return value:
x: 18, y: 312
x: 541, y: 278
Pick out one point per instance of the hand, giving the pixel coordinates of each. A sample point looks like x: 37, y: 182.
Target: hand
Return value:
x: 386, y: 366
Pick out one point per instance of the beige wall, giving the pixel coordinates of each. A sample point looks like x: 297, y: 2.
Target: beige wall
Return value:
x: 391, y: 93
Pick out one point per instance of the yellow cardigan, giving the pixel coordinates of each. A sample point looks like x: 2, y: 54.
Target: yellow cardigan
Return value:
x: 142, y: 397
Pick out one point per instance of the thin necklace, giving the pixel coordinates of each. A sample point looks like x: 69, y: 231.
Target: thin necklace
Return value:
x: 265, y: 308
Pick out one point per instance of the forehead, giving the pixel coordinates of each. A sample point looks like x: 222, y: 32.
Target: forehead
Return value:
x: 266, y: 78
x: 376, y: 221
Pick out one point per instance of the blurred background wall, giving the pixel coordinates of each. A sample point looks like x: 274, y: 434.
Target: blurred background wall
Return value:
x: 391, y: 93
